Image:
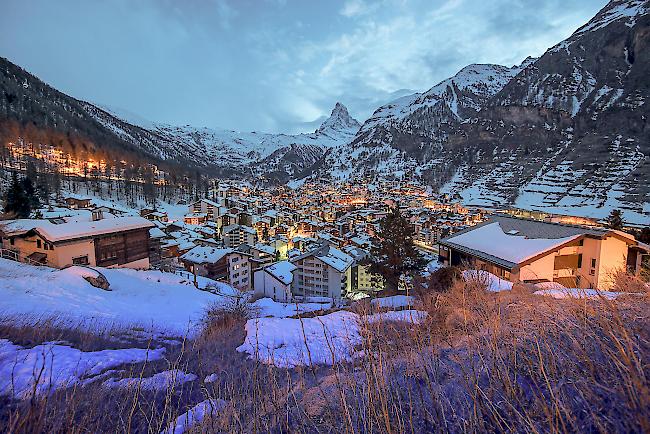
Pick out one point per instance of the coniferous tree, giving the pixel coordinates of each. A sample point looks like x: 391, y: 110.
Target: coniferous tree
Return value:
x: 16, y: 202
x: 393, y: 253
x: 30, y: 194
x: 615, y: 219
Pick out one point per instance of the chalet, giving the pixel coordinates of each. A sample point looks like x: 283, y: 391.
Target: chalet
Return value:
x: 112, y: 242
x: 533, y: 251
x: 260, y: 255
x: 195, y: 218
x: 210, y: 208
x: 158, y: 216
x: 77, y: 203
x: 155, y: 246
x: 361, y: 277
x: 225, y: 265
x: 274, y: 281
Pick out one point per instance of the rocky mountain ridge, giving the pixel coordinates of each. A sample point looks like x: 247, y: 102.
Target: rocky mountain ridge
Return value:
x: 567, y: 132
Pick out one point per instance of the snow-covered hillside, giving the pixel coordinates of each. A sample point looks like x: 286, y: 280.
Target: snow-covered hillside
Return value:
x: 163, y: 303
x: 566, y: 132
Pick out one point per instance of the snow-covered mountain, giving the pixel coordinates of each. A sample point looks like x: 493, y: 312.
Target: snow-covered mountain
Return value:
x: 36, y: 111
x: 278, y: 156
x: 567, y: 132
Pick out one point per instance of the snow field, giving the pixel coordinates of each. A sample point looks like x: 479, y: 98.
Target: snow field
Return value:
x: 322, y: 340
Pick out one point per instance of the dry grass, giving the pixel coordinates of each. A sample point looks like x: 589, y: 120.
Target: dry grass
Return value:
x: 482, y: 362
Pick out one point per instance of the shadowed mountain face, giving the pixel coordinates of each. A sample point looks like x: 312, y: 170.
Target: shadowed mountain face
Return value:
x: 567, y: 130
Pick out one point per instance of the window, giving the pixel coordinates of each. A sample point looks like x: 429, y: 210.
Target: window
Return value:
x: 593, y: 262
x: 12, y: 241
x: 579, y: 260
x: 80, y: 260
x: 38, y: 243
x: 581, y: 242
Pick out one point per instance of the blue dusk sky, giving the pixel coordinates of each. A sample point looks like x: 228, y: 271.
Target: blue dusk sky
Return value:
x: 270, y: 65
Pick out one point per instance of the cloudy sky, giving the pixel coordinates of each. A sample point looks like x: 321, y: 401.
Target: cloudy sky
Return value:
x: 270, y: 65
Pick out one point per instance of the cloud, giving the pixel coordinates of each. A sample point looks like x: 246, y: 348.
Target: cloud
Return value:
x: 276, y: 65
x: 354, y: 8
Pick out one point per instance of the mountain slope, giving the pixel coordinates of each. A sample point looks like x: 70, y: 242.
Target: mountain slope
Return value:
x: 32, y: 110
x: 565, y: 132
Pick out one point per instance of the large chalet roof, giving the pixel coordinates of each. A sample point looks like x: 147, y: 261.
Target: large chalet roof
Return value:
x: 509, y: 241
x: 56, y: 232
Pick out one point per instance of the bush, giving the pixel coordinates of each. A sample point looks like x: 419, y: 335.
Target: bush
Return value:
x: 443, y: 279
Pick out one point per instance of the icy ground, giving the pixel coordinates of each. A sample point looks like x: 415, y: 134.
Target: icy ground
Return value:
x: 47, y: 367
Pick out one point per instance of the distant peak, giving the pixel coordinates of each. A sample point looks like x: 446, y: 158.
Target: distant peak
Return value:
x: 339, y: 121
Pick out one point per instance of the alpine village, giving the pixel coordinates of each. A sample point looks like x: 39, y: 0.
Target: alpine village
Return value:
x: 470, y: 258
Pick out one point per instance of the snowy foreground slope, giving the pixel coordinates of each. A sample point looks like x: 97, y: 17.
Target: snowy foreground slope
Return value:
x: 163, y: 302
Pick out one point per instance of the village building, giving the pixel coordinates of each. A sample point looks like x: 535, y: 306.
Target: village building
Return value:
x: 111, y: 242
x: 155, y: 247
x: 195, y: 218
x: 155, y: 215
x: 234, y: 235
x: 362, y: 280
x: 532, y: 251
x: 77, y: 203
x: 322, y: 272
x: 210, y: 208
x: 225, y: 265
x: 275, y: 280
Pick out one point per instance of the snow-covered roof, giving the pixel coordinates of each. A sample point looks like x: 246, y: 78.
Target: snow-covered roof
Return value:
x: 231, y: 228
x: 509, y: 245
x: 265, y: 248
x: 73, y: 230
x: 335, y: 258
x: 205, y: 255
x: 283, y: 271
x: 207, y: 201
x: 156, y: 233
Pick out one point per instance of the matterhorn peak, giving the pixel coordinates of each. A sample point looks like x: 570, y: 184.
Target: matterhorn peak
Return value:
x: 339, y: 122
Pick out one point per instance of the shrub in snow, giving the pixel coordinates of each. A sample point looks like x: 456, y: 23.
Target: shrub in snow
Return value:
x: 440, y: 280
x: 196, y: 414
